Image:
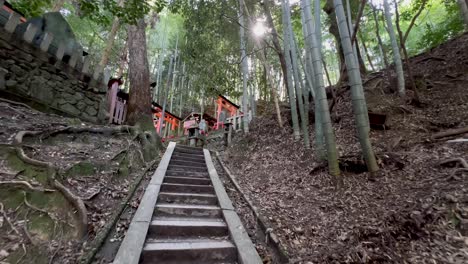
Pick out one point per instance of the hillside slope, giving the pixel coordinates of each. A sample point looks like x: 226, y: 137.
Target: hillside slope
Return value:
x: 415, y: 210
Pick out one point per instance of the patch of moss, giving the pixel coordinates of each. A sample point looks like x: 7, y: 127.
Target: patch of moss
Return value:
x: 47, y: 200
x: 32, y: 172
x: 35, y: 254
x: 41, y: 225
x: 74, y: 122
x: 11, y: 197
x: 82, y: 168
x: 124, y: 167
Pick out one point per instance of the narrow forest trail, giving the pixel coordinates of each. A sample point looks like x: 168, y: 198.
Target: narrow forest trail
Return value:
x: 185, y: 216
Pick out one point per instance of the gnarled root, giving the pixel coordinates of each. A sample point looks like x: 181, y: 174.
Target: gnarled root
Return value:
x: 52, y: 171
x: 27, y: 185
x: 462, y: 162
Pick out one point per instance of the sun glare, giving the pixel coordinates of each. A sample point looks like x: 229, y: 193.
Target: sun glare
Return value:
x: 259, y: 29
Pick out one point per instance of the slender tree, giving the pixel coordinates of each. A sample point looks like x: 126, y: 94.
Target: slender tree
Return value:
x: 110, y: 40
x: 275, y: 39
x: 319, y: 137
x: 357, y: 91
x: 320, y: 95
x: 295, y: 71
x: 165, y: 94
x: 464, y: 11
x: 289, y: 77
x: 244, y: 67
x: 396, y: 50
x: 383, y: 54
x: 369, y: 59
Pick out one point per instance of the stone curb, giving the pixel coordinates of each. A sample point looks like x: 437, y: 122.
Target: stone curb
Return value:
x: 247, y: 253
x: 132, y: 245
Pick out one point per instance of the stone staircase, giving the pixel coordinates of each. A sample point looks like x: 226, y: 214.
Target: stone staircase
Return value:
x: 192, y: 220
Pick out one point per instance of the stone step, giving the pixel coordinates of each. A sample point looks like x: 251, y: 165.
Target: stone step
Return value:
x: 187, y: 180
x: 195, y: 174
x: 188, y: 151
x: 187, y: 227
x: 187, y: 210
x: 188, y: 158
x: 180, y: 251
x: 186, y: 168
x: 185, y: 147
x: 186, y: 188
x: 187, y: 198
x: 189, y: 155
x: 187, y: 163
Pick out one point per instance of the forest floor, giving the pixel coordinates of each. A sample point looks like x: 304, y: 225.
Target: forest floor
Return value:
x: 414, y: 211
x: 98, y: 165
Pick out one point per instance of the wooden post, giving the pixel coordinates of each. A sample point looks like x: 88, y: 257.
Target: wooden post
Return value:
x: 229, y: 139
x: 113, y: 98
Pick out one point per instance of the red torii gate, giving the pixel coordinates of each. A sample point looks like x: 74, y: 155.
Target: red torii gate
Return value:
x: 169, y: 118
x: 225, y: 104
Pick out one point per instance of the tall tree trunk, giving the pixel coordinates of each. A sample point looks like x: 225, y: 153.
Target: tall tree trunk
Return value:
x: 174, y: 73
x: 297, y: 80
x: 320, y: 95
x: 139, y: 105
x: 165, y: 95
x: 182, y: 89
x: 287, y: 53
x: 333, y: 29
x: 58, y: 5
x: 123, y: 60
x: 307, y: 26
x: 110, y: 40
x: 396, y: 50
x: 415, y: 98
x: 383, y: 54
x: 275, y: 39
x: 244, y: 67
x: 369, y: 59
x: 351, y: 32
x: 357, y: 91
x: 464, y: 11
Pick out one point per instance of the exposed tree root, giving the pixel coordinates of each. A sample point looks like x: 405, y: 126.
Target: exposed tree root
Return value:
x: 77, y: 203
x: 462, y: 162
x: 91, y: 196
x: 52, y: 171
x: 93, y: 130
x: 451, y: 132
x: 2, y: 211
x: 27, y: 185
x: 27, y: 234
x: 16, y: 103
x: 24, y: 254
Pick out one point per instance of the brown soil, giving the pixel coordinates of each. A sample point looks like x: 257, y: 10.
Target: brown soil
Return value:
x: 414, y: 211
x: 98, y: 168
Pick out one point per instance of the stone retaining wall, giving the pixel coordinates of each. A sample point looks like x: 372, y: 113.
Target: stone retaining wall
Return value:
x: 33, y: 75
